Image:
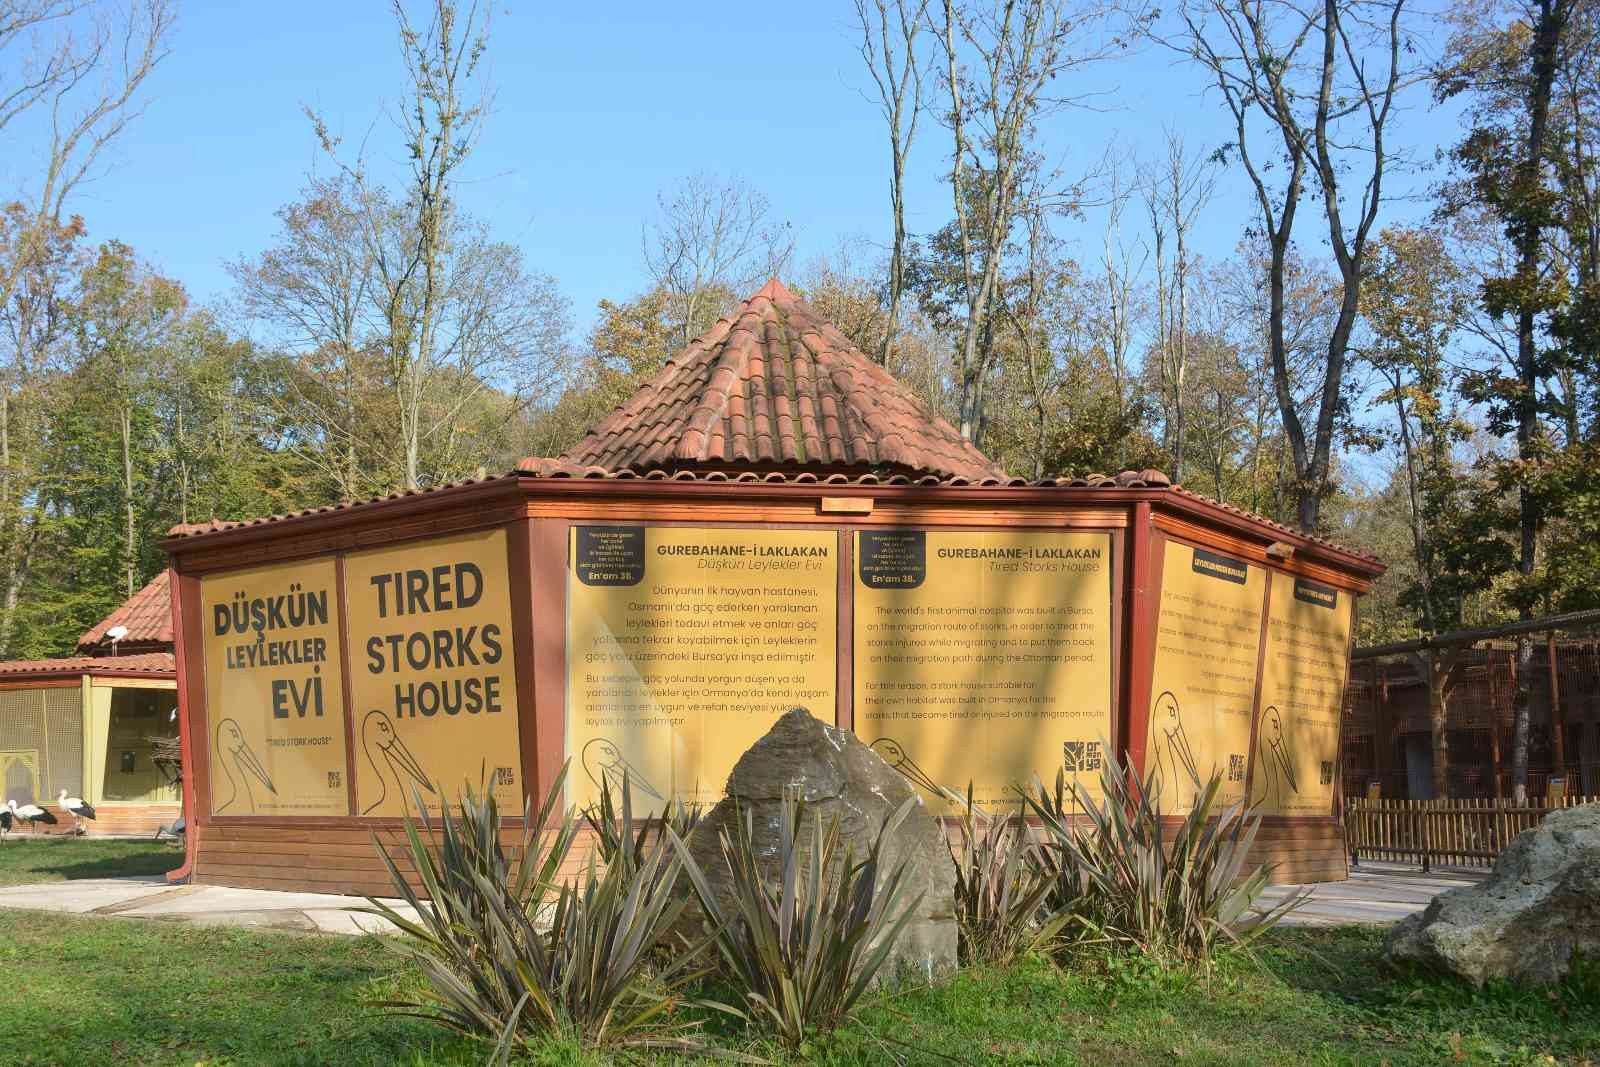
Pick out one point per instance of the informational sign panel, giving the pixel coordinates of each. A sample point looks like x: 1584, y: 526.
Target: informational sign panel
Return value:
x: 685, y: 645
x: 1302, y: 696
x: 1208, y: 639
x: 433, y: 683
x: 984, y: 657
x: 274, y: 690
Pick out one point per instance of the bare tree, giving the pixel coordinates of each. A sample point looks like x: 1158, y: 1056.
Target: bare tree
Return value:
x: 1176, y: 189
x: 465, y: 332
x: 896, y: 69
x: 84, y: 67
x: 1001, y: 60
x: 1317, y: 79
x: 712, y: 240
x: 1122, y: 262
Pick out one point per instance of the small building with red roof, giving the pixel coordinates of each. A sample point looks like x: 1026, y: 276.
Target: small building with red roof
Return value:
x: 771, y: 521
x: 91, y: 724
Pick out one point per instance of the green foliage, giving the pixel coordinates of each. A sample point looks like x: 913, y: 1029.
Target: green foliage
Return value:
x: 1001, y: 888
x: 514, y: 956
x: 1178, y: 896
x: 620, y: 838
x: 801, y: 948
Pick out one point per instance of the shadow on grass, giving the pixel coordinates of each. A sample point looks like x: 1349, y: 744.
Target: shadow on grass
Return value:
x: 67, y: 858
x: 1343, y: 968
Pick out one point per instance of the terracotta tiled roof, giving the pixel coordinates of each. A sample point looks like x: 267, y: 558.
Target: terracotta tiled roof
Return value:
x: 148, y: 616
x: 155, y: 663
x: 561, y: 469
x: 774, y: 385
x: 195, y: 529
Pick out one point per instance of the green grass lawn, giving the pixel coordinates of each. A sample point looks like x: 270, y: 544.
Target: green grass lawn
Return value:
x: 104, y: 990
x: 26, y: 858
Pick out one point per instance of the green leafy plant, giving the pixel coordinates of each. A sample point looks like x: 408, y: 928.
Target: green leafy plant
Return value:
x: 619, y: 837
x: 513, y: 955
x: 1180, y: 895
x: 808, y: 928
x: 1002, y: 887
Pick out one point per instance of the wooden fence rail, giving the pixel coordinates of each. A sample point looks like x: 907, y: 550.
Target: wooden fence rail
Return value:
x: 1452, y: 833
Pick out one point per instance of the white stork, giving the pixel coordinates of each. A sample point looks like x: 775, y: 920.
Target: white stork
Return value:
x: 6, y: 819
x: 79, y: 808
x: 32, y: 814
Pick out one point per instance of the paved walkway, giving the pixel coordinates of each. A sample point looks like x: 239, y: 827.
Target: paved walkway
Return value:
x: 203, y: 905
x: 1375, y: 893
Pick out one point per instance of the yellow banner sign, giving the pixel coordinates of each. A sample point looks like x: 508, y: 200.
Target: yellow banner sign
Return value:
x: 1302, y: 698
x: 685, y: 645
x: 984, y: 657
x: 1208, y: 641
x: 274, y: 691
x: 433, y: 683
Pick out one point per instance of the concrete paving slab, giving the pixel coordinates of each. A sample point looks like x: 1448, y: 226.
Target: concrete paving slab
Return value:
x: 1374, y: 893
x: 79, y: 897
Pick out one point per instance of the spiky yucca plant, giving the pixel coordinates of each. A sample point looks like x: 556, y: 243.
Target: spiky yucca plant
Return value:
x: 1178, y: 897
x: 618, y: 836
x: 1001, y: 887
x: 496, y: 970
x: 803, y: 945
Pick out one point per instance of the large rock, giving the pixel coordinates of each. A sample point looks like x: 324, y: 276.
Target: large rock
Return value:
x: 836, y: 775
x: 1538, y: 909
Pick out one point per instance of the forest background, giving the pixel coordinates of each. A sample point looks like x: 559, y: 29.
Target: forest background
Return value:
x: 1357, y: 290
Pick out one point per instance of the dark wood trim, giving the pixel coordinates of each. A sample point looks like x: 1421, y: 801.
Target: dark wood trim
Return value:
x: 457, y: 508
x: 844, y: 647
x: 1247, y: 549
x: 519, y: 579
x: 548, y: 567
x: 1117, y: 578
x: 50, y: 681
x: 1144, y: 604
x: 346, y: 690
x: 186, y: 625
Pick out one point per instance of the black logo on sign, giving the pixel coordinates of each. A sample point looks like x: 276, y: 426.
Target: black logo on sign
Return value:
x: 1309, y: 592
x: 610, y: 555
x: 893, y: 559
x: 1081, y: 756
x: 1224, y: 568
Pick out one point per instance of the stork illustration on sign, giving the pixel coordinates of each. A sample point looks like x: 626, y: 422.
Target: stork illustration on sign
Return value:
x: 894, y: 754
x: 603, y: 762
x: 391, y: 760
x: 1272, y: 761
x: 1170, y: 741
x: 240, y: 765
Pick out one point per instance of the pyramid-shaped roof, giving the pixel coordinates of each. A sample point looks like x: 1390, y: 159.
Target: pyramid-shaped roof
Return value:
x: 148, y: 616
x: 774, y: 386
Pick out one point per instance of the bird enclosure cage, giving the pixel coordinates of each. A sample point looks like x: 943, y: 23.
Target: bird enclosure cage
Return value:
x: 41, y: 742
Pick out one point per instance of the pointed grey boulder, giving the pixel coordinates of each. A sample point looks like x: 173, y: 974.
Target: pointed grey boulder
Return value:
x: 836, y: 775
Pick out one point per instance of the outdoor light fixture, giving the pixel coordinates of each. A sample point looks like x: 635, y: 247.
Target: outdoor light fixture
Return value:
x: 1280, y: 550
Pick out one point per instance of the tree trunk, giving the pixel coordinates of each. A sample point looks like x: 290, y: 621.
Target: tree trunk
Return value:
x: 1529, y: 241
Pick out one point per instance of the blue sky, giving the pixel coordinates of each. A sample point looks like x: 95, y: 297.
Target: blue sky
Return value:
x: 599, y: 106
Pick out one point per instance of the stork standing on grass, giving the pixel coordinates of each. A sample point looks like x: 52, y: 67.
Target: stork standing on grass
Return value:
x: 79, y: 808
x: 32, y: 814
